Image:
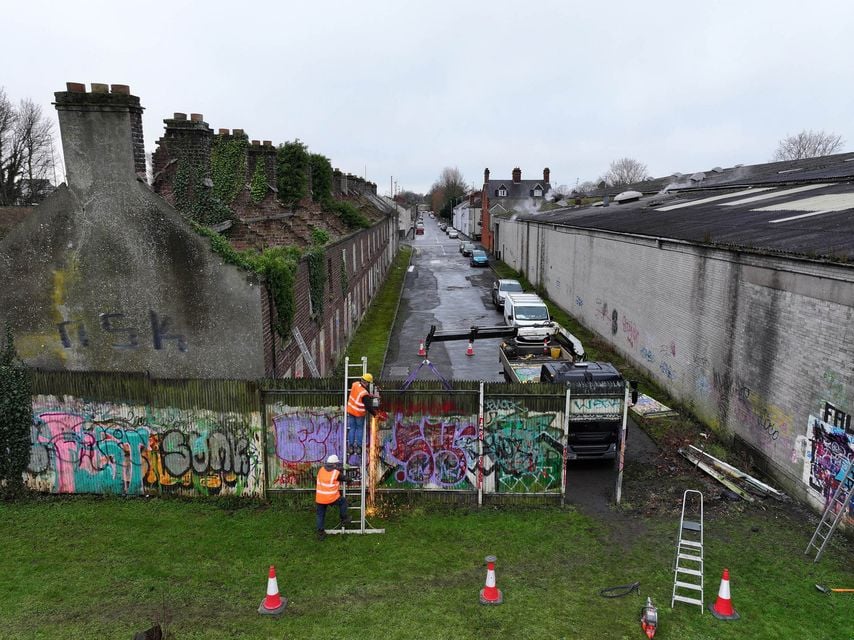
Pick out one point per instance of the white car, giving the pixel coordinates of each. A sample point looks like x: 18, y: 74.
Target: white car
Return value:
x: 453, y: 234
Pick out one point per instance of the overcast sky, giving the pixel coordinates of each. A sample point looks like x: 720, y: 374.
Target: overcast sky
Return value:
x: 404, y: 88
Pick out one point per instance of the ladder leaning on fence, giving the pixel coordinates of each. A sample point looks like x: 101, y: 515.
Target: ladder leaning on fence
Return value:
x: 355, y: 490
x: 688, y: 566
x: 835, y: 510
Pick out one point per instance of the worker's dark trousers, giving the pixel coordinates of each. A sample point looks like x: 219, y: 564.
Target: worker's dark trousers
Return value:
x: 321, y: 511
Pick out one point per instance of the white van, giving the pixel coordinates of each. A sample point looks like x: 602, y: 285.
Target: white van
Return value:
x: 528, y: 310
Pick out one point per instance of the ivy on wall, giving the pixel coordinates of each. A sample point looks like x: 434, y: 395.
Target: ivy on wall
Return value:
x: 321, y: 177
x: 277, y: 266
x: 293, y: 170
x: 194, y: 199
x: 316, y: 257
x: 348, y: 212
x: 16, y: 418
x: 228, y: 167
x: 258, y: 186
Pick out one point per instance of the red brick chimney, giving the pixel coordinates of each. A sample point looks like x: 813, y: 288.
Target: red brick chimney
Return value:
x: 546, y: 173
x: 517, y: 175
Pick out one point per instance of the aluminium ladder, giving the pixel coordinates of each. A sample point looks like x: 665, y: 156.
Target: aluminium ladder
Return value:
x: 837, y: 506
x: 688, y: 565
x: 355, y: 497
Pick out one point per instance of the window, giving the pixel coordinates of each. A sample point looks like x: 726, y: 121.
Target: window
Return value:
x: 502, y: 191
x: 538, y: 191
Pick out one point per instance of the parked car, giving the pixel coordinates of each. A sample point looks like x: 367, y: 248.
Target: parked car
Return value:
x: 453, y: 234
x: 466, y: 248
x: 443, y: 226
x: 501, y: 288
x: 419, y: 230
x: 479, y: 259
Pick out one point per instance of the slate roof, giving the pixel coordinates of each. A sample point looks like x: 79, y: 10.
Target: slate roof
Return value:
x: 806, y: 218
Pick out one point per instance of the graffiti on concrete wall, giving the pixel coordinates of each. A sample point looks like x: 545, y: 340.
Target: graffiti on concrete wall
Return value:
x: 129, y: 450
x: 830, y: 448
x: 122, y: 332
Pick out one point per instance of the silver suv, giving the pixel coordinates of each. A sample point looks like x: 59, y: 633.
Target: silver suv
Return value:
x: 501, y: 288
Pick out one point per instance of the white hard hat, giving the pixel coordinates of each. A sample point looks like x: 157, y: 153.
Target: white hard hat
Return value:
x: 333, y: 459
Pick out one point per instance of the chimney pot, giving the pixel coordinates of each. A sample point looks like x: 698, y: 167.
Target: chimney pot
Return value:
x: 238, y: 132
x: 75, y: 87
x: 486, y: 175
x: 123, y: 89
x: 268, y: 143
x: 179, y: 116
x: 546, y: 174
x: 517, y: 175
x: 97, y: 87
x: 256, y: 143
x: 222, y: 132
x: 197, y: 117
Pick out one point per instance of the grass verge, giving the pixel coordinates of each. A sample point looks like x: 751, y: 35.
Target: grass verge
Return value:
x: 371, y: 338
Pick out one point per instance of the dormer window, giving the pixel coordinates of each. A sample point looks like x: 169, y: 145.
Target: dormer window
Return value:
x: 501, y: 192
x: 537, y: 191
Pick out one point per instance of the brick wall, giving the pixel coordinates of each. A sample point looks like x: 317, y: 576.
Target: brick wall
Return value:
x: 753, y: 344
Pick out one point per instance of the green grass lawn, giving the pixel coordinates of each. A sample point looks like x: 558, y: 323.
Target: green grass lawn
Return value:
x: 85, y: 567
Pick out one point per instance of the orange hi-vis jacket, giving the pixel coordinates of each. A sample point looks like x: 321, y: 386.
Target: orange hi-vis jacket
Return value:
x: 356, y: 401
x: 327, y: 486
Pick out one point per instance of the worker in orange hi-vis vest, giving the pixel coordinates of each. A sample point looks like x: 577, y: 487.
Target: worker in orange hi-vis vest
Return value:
x: 358, y: 404
x: 328, y: 493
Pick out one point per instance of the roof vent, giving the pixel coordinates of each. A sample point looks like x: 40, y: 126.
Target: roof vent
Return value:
x: 791, y: 170
x: 677, y: 175
x: 717, y: 170
x: 698, y: 177
x: 737, y: 166
x: 627, y: 196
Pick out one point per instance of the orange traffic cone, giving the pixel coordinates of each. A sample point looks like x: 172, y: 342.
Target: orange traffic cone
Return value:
x: 470, y: 350
x: 490, y: 594
x: 273, y: 604
x: 421, y: 350
x: 722, y: 609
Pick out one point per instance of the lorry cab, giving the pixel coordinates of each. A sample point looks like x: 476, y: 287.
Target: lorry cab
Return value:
x: 528, y: 310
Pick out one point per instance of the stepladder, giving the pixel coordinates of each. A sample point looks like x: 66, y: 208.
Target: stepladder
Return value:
x: 837, y: 507
x: 688, y: 564
x: 357, y: 459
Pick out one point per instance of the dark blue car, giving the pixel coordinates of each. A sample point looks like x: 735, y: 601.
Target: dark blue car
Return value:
x: 479, y: 259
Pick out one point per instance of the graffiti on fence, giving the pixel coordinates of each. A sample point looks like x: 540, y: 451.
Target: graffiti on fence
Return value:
x: 431, y: 452
x: 136, y: 450
x: 304, y: 438
x: 523, y: 449
x: 831, y: 449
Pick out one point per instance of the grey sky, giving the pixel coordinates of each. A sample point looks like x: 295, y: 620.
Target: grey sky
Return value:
x: 404, y: 89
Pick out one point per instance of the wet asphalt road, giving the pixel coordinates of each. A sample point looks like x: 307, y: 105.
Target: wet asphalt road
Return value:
x: 441, y: 288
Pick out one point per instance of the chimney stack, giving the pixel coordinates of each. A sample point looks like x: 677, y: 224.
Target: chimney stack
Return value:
x: 101, y: 133
x: 546, y: 174
x: 517, y: 175
x: 485, y: 176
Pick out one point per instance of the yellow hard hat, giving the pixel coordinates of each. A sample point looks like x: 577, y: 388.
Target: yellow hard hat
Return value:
x: 368, y: 378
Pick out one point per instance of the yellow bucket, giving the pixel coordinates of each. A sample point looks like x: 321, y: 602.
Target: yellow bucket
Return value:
x: 555, y: 352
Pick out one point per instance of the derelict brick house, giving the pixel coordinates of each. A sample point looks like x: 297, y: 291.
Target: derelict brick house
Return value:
x: 106, y: 275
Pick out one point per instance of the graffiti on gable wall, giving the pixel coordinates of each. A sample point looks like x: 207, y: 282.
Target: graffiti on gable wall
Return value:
x: 128, y: 450
x: 302, y: 439
x: 829, y: 449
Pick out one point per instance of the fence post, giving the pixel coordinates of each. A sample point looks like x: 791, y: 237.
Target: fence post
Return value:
x: 262, y: 411
x: 623, y: 443
x: 565, y: 447
x: 480, y: 448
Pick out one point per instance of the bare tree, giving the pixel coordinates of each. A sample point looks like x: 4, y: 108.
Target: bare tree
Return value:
x: 447, y: 191
x: 808, y: 144
x: 585, y: 188
x: 25, y: 152
x: 625, y: 171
